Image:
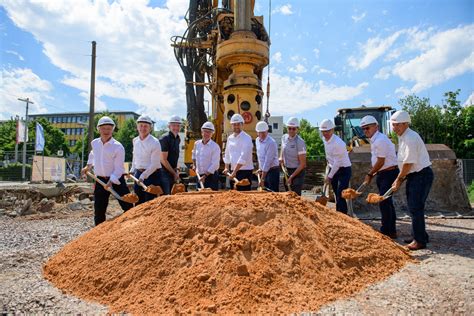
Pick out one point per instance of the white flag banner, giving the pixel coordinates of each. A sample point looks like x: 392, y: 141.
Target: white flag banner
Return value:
x: 39, y: 142
x: 20, y: 132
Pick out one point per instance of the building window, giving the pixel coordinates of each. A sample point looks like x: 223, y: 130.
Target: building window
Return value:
x: 275, y: 125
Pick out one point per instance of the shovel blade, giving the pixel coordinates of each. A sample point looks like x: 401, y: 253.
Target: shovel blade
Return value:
x: 131, y: 198
x: 178, y: 188
x: 154, y: 189
x: 243, y: 182
x: 323, y: 200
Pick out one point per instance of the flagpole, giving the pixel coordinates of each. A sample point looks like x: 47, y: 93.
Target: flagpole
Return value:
x: 42, y: 168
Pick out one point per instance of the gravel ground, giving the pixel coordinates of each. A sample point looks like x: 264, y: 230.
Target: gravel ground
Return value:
x: 442, y: 282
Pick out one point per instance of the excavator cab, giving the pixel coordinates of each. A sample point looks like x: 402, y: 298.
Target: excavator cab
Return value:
x: 347, y: 123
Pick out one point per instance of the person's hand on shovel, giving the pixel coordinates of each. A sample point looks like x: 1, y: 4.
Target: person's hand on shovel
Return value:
x: 396, y: 184
x: 203, y: 178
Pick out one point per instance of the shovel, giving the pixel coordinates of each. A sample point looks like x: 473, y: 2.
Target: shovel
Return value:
x: 131, y: 198
x: 152, y: 189
x: 374, y: 198
x: 323, y: 199
x: 178, y: 187
x: 286, y: 176
x: 242, y: 182
x: 264, y: 188
x: 202, y: 189
x: 350, y: 194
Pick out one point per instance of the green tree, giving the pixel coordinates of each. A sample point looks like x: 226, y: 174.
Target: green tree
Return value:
x: 125, y: 136
x: 450, y: 123
x: 312, y: 138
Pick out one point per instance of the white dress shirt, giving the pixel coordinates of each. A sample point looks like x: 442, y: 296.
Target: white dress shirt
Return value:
x: 107, y: 159
x: 267, y: 153
x: 412, y: 149
x: 207, y: 156
x: 336, y: 154
x: 238, y: 150
x: 146, y: 155
x: 382, y: 147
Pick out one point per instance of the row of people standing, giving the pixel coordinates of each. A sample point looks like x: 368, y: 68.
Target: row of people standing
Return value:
x: 156, y: 162
x: 390, y: 169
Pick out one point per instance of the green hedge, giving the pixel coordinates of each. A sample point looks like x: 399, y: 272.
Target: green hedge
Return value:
x: 13, y: 172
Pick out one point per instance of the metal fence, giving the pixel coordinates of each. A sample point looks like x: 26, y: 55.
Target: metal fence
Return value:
x: 468, y: 171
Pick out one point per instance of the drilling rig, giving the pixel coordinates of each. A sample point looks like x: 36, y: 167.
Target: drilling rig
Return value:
x: 223, y: 50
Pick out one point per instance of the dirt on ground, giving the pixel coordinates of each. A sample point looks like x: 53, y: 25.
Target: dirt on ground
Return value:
x: 224, y: 253
x: 440, y: 282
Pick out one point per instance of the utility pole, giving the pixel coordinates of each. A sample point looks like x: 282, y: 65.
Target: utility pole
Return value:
x: 92, y: 99
x: 16, y: 140
x: 23, y: 168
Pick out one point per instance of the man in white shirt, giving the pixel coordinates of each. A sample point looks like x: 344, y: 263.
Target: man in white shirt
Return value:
x: 293, y: 156
x: 206, y: 157
x: 107, y: 157
x: 340, y: 171
x: 267, y: 154
x: 238, y: 153
x: 146, y: 161
x: 384, y: 165
x: 415, y: 165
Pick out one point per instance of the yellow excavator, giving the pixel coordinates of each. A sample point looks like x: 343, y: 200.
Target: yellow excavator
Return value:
x: 224, y: 50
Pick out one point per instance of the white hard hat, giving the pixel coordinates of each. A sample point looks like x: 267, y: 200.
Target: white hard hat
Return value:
x: 326, y: 125
x: 368, y: 120
x: 236, y: 118
x: 174, y: 119
x: 144, y: 119
x: 400, y: 117
x: 105, y: 120
x: 261, y: 126
x: 208, y: 125
x: 293, y: 122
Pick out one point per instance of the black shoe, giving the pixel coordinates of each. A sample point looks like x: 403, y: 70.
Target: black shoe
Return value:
x: 393, y: 235
x: 408, y: 240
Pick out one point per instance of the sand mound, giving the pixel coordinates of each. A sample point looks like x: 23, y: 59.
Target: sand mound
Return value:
x: 226, y: 253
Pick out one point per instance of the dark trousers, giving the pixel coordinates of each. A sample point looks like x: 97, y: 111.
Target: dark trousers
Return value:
x: 167, y: 181
x: 212, y: 181
x: 272, y: 179
x: 154, y: 179
x: 101, y: 198
x: 240, y: 175
x: 340, y: 182
x: 384, y: 181
x: 417, y: 189
x: 297, y: 182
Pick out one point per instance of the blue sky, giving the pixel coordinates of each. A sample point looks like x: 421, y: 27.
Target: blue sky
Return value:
x: 325, y: 54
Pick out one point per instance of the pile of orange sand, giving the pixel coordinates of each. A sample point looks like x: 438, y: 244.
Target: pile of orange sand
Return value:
x: 224, y: 253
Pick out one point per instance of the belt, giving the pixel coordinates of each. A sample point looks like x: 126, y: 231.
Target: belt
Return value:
x: 273, y: 168
x: 141, y: 170
x: 388, y: 169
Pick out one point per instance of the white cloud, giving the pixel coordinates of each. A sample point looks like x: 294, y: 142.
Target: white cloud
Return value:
x: 316, y: 53
x: 277, y: 57
x: 371, y: 50
x: 367, y: 102
x: 402, y: 91
x: 384, y: 73
x: 357, y: 18
x: 298, y: 69
x: 448, y: 54
x: 283, y: 9
x: 470, y: 100
x: 16, y: 54
x: 22, y: 83
x: 134, y: 58
x: 287, y: 92
x: 319, y: 70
